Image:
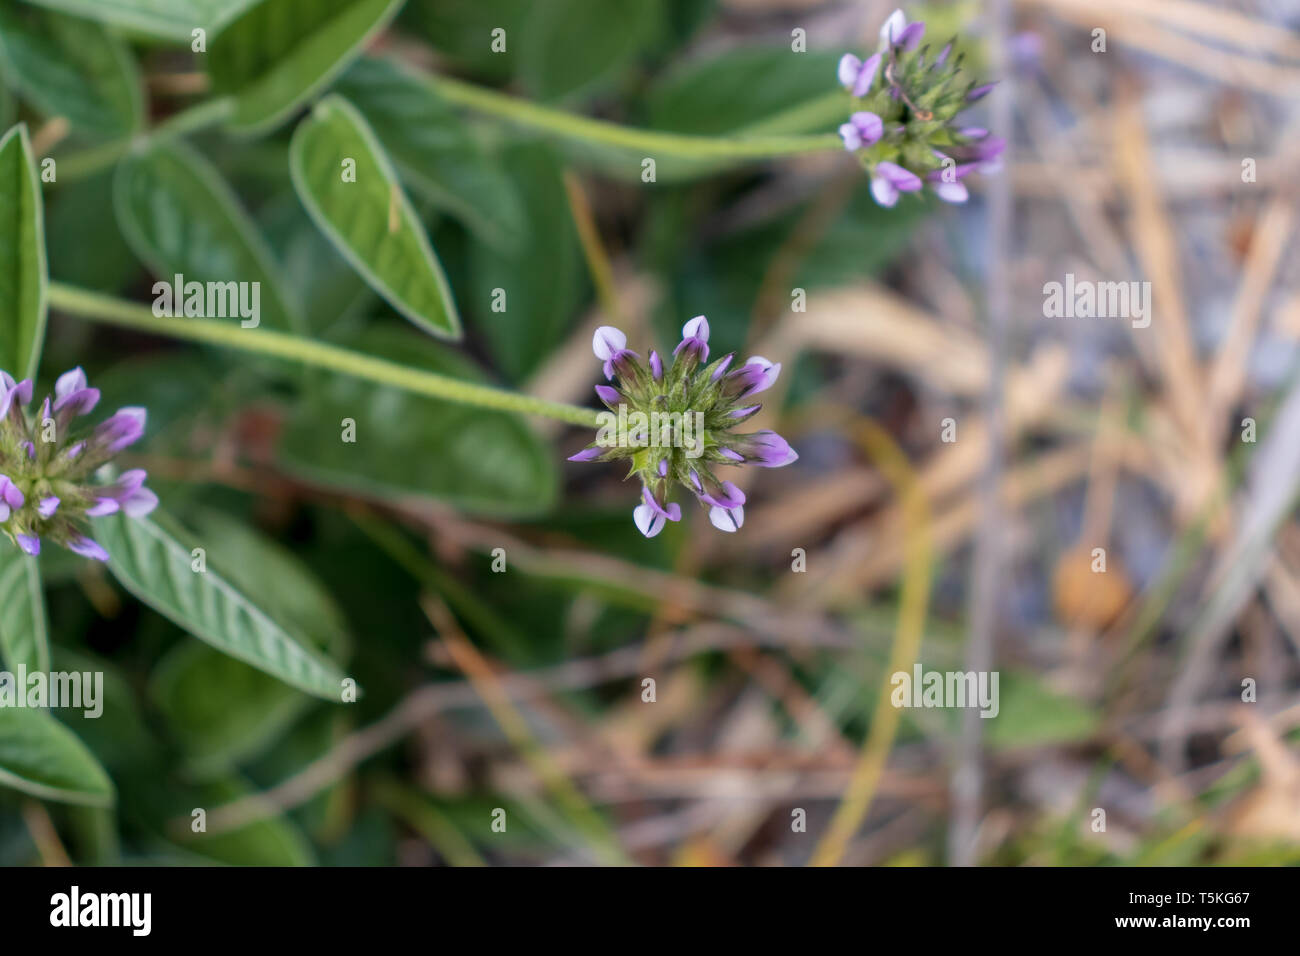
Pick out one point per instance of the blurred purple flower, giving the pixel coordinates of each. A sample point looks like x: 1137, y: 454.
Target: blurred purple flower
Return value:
x: 862, y: 129
x: 857, y: 75
x: 48, y: 486
x: 912, y: 115
x: 888, y: 180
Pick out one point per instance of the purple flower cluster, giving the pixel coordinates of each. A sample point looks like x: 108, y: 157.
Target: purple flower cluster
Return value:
x: 47, y: 463
x: 676, y: 423
x: 904, y: 129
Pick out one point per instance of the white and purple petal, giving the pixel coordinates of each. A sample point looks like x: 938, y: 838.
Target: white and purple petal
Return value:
x: 69, y: 382
x: 910, y: 37
x: 87, y: 548
x: 696, y: 328
x: 767, y: 449
x: 953, y: 192
x: 893, y: 26
x: 10, y: 494
x: 670, y: 510
x: 104, y: 506
x: 139, y: 503
x: 122, y: 429
x: 80, y: 402
x: 648, y: 521
x: 727, y: 519
x: 607, y: 341
x: 864, y: 128
x: 847, y: 71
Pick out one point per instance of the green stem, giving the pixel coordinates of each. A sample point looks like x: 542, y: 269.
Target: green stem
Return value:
x: 87, y: 162
x: 650, y: 142
x: 290, y: 348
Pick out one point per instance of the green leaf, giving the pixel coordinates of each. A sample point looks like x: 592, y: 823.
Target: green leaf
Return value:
x: 742, y: 88
x: 359, y: 216
x: 24, y: 636
x: 542, y: 278
x: 180, y: 217
x: 321, y: 279
x: 23, y: 276
x: 273, y: 577
x: 80, y: 216
x: 570, y: 46
x: 749, y: 91
x: 434, y: 149
x: 273, y: 842
x: 758, y: 90
x: 41, y: 757
x: 188, y: 395
x: 220, y: 709
x: 8, y: 108
x: 408, y: 446
x: 117, y: 733
x: 280, y: 53
x: 173, y: 19
x: 461, y: 30
x: 156, y: 566
x: 72, y: 68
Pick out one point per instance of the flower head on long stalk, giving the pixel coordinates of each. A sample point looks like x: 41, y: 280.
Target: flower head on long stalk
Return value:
x: 676, y: 424
x: 904, y: 128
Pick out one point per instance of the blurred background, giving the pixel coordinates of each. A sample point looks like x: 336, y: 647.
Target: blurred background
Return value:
x: 962, y: 456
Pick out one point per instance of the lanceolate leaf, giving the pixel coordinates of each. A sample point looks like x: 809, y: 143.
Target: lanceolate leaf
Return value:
x: 174, y: 19
x: 40, y: 756
x: 279, y: 53
x: 8, y: 108
x: 73, y: 68
x: 570, y: 45
x: 412, y: 447
x: 273, y: 577
x: 542, y: 278
x: 23, y: 276
x: 220, y: 709
x: 740, y: 88
x: 435, y: 150
x: 153, y: 564
x: 180, y: 217
x: 347, y: 183
x: 276, y: 841
x: 23, y: 635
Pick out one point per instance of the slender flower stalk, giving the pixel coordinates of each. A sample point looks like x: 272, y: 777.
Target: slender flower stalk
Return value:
x: 903, y: 128
x: 676, y: 423
x: 740, y: 148
x: 49, y: 462
x: 292, y: 348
